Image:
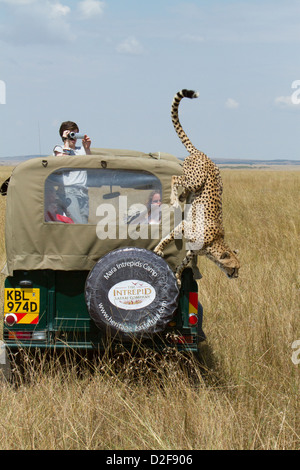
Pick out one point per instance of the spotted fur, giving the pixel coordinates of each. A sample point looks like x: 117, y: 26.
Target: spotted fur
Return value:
x: 202, y: 186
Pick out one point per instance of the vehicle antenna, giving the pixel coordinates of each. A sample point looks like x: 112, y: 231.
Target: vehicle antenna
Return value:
x: 39, y: 135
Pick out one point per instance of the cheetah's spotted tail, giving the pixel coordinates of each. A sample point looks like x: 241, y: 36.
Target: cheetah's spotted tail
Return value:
x: 175, y: 119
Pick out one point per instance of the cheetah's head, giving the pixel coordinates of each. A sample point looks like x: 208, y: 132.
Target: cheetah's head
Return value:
x: 229, y: 263
x: 225, y: 259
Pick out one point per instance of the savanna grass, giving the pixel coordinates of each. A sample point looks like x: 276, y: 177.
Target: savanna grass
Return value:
x: 246, y: 394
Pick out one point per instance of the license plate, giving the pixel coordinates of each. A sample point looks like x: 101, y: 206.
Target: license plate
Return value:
x: 24, y: 303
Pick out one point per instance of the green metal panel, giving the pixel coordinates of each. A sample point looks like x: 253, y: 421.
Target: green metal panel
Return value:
x: 70, y: 307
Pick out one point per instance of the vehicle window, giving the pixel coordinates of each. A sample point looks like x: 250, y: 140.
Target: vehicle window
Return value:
x: 84, y: 196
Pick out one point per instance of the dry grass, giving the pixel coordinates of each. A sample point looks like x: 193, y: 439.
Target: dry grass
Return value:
x: 249, y: 397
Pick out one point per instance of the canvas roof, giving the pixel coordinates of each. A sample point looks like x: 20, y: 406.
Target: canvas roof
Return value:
x: 33, y: 244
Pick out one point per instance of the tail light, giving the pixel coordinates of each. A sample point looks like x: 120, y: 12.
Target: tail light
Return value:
x: 38, y: 335
x: 10, y: 319
x: 193, y: 319
x: 182, y: 339
x: 19, y: 335
x: 186, y: 339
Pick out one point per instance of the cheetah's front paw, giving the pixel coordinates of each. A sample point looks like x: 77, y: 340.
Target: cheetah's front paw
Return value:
x: 178, y: 279
x: 159, y: 252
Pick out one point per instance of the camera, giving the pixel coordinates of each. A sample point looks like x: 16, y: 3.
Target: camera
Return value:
x: 74, y: 135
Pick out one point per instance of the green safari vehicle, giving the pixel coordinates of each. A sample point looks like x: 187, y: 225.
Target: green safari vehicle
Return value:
x: 80, y: 269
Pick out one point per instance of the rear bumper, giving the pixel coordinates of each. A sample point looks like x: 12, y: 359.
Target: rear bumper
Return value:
x: 182, y: 342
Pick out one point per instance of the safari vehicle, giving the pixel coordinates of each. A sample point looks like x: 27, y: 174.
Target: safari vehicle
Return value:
x: 95, y: 282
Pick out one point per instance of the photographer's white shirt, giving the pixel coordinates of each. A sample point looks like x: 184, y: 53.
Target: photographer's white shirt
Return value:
x: 73, y: 177
x: 76, y: 151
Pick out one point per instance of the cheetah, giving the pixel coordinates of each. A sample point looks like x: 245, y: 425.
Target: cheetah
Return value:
x: 202, y: 187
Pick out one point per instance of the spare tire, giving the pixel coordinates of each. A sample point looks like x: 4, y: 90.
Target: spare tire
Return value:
x: 131, y: 293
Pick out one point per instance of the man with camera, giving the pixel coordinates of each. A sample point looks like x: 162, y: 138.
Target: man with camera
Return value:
x: 72, y: 197
x: 69, y: 133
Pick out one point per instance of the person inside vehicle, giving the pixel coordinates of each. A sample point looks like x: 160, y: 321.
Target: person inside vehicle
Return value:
x: 151, y: 215
x: 73, y: 196
x: 154, y: 209
x: 51, y: 210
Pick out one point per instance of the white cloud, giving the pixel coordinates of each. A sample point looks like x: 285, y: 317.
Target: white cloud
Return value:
x: 290, y: 102
x: 37, y: 22
x: 58, y: 10
x: 284, y: 101
x: 130, y: 46
x: 91, y: 8
x: 231, y: 103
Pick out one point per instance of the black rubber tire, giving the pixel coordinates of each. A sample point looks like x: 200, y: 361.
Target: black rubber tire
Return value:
x: 132, y: 293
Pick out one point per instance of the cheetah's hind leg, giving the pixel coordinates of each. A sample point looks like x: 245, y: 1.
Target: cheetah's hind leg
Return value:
x: 189, y: 256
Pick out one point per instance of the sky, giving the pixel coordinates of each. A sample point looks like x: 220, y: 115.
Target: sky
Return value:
x: 113, y: 67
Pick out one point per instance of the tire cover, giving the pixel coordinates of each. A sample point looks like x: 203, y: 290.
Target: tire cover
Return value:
x: 132, y: 293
